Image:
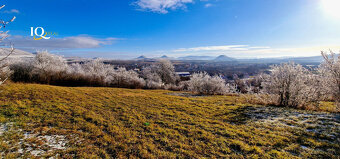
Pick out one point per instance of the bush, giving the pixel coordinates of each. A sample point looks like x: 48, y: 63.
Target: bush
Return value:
x: 22, y: 71
x: 52, y: 69
x: 48, y: 68
x: 291, y: 85
x: 123, y: 78
x: 166, y: 71
x: 152, y: 79
x: 160, y: 74
x: 330, y: 70
x: 203, y: 83
x: 173, y: 87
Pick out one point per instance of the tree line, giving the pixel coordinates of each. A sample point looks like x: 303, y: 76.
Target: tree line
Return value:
x: 287, y: 84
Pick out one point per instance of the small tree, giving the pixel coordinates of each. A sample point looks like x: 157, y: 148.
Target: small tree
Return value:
x: 4, y: 70
x: 152, y: 79
x: 291, y: 84
x: 47, y: 66
x: 97, y: 72
x: 166, y: 71
x: 160, y: 74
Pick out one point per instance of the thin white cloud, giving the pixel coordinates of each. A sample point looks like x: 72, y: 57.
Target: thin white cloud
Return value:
x: 12, y: 11
x: 259, y: 47
x: 245, y: 51
x: 213, y: 48
x: 72, y: 42
x: 161, y: 6
x: 208, y: 5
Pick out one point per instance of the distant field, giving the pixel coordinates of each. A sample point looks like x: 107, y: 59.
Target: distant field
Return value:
x: 82, y: 122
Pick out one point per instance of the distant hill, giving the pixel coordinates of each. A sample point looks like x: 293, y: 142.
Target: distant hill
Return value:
x: 224, y: 58
x: 141, y: 57
x: 17, y: 53
x: 144, y: 58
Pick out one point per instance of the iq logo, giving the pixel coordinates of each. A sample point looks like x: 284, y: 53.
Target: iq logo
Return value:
x: 39, y: 33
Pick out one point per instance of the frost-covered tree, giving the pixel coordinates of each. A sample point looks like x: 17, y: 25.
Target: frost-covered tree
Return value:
x: 160, y: 74
x: 164, y: 70
x: 95, y: 72
x: 152, y: 79
x: 4, y: 69
x: 330, y: 70
x: 47, y: 66
x: 124, y: 78
x: 97, y: 68
x: 291, y: 84
x: 46, y: 62
x: 203, y: 83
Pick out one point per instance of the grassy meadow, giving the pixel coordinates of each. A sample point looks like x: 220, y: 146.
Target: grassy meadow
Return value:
x: 86, y: 122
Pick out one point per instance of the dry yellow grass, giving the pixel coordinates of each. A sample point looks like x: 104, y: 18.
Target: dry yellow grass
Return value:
x: 114, y: 122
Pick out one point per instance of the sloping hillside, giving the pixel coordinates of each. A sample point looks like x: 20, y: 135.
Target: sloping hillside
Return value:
x: 16, y: 53
x: 44, y: 121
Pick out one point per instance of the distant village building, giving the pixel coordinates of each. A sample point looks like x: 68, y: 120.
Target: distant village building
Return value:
x: 183, y: 74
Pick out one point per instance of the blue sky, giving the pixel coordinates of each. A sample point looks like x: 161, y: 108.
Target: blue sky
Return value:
x: 129, y: 28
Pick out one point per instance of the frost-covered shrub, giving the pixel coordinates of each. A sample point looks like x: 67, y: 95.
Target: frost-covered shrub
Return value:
x: 160, y: 74
x: 44, y: 68
x: 251, y: 85
x: 124, y: 78
x: 242, y: 85
x: 52, y: 69
x: 48, y: 67
x: 174, y: 87
x: 203, y: 83
x: 291, y: 85
x: 46, y: 62
x: 166, y: 71
x: 330, y: 71
x: 95, y: 71
x: 152, y: 79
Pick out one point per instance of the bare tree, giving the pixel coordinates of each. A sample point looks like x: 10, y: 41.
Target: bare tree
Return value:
x: 4, y: 70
